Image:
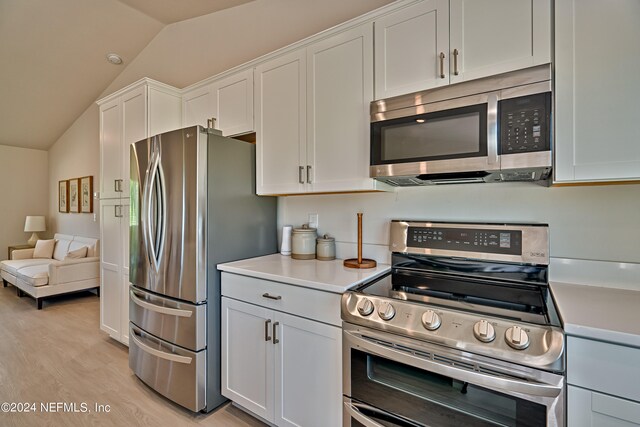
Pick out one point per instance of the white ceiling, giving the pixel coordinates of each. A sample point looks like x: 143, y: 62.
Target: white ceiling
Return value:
x: 53, y: 56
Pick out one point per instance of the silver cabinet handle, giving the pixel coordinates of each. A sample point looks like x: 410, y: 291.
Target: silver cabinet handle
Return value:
x: 455, y: 61
x: 267, y: 295
x: 161, y: 354
x: 300, y: 174
x: 117, y: 211
x: 157, y: 308
x: 266, y: 330
x: 308, y: 174
x: 442, y: 65
x: 275, y: 330
x: 117, y: 183
x: 211, y: 123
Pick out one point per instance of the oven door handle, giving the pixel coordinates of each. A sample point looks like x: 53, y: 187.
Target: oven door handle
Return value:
x: 472, y: 377
x: 353, y: 409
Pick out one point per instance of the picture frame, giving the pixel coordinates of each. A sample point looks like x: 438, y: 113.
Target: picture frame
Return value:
x: 63, y: 196
x: 74, y: 195
x: 86, y: 194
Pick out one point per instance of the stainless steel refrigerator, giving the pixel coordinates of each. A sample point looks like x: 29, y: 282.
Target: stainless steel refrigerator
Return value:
x: 193, y: 205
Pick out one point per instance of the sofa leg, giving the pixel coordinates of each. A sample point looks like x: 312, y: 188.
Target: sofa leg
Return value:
x: 98, y: 292
x: 19, y: 293
x: 39, y: 302
x: 4, y: 283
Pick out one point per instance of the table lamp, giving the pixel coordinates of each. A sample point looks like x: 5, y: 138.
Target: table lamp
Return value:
x: 34, y: 224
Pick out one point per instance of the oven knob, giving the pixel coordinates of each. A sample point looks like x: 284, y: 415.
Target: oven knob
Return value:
x: 365, y: 307
x: 484, y: 331
x: 386, y: 311
x: 516, y: 338
x: 431, y: 320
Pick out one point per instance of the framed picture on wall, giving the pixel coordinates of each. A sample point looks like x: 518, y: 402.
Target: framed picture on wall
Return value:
x: 86, y: 191
x: 74, y: 195
x: 63, y: 196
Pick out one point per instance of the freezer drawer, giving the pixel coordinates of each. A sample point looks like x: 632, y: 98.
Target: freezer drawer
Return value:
x: 176, y: 373
x: 177, y: 322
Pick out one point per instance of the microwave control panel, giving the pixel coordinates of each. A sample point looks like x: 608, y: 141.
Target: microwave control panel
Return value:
x: 525, y: 124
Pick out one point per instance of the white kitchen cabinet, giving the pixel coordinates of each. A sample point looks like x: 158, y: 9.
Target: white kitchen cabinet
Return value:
x: 282, y: 367
x: 602, y: 383
x: 597, y: 61
x: 228, y: 99
x: 138, y: 111
x: 438, y: 42
x: 312, y: 114
x: 114, y: 270
x: 412, y: 49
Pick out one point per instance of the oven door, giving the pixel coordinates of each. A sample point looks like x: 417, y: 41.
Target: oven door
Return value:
x: 454, y: 136
x: 393, y: 381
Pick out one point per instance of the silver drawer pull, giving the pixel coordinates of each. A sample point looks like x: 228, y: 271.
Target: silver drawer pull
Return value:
x: 159, y: 309
x: 275, y: 297
x: 161, y: 354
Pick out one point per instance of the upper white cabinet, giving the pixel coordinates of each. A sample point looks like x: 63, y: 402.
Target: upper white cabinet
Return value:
x: 439, y: 42
x: 229, y: 100
x: 597, y: 109
x: 312, y: 114
x: 138, y: 111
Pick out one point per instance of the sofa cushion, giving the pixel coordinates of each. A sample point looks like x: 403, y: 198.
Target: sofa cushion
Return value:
x: 37, y: 275
x: 62, y: 247
x: 81, y: 252
x: 13, y: 266
x: 44, y: 249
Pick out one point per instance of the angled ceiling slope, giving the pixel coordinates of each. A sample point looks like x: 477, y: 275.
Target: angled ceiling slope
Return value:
x: 54, y: 64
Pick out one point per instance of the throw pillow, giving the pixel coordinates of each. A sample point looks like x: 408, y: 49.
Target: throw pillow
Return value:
x: 44, y: 249
x: 77, y: 254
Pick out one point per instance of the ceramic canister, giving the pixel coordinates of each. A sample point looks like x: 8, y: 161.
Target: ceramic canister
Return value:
x: 303, y: 242
x: 325, y: 248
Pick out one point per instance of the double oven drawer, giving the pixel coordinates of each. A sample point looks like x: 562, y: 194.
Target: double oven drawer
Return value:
x: 172, y: 371
x: 177, y: 322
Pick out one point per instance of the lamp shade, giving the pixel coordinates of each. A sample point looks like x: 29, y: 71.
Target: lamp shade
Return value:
x: 34, y: 224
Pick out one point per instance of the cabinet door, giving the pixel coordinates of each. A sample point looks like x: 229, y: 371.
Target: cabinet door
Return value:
x: 134, y: 125
x: 247, y: 356
x: 233, y: 103
x: 496, y: 36
x: 110, y: 148
x: 197, y: 106
x: 110, y: 268
x: 408, y: 46
x: 597, y: 109
x: 308, y: 373
x: 280, y: 108
x: 587, y: 408
x: 339, y: 90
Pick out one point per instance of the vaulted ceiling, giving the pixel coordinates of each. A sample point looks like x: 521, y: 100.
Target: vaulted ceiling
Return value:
x: 54, y: 56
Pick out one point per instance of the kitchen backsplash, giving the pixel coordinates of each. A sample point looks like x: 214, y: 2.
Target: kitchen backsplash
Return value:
x: 587, y: 222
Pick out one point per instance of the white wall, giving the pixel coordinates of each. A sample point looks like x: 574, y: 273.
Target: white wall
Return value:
x: 185, y: 53
x: 593, y: 223
x: 23, y: 191
x: 75, y: 155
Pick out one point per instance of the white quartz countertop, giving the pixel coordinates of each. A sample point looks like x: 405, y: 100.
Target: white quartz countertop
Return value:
x: 606, y: 314
x: 329, y: 276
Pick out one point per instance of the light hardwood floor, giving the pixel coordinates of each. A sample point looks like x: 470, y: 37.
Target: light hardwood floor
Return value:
x: 59, y: 354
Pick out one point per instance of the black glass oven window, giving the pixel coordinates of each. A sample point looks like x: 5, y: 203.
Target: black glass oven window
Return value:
x: 441, y: 135
x: 436, y: 400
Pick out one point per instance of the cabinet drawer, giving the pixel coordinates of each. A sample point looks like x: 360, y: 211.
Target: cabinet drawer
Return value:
x: 609, y: 368
x: 588, y: 408
x: 303, y: 302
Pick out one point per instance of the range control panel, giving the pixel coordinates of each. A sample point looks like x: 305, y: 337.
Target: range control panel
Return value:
x: 524, y: 124
x: 466, y: 239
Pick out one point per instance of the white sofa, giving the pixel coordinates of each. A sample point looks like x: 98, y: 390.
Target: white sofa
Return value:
x: 42, y: 277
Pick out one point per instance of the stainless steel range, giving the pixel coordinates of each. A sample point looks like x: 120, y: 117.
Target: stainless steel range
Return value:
x: 462, y: 331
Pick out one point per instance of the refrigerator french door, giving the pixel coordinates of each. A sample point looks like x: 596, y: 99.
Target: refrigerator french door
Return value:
x: 193, y: 205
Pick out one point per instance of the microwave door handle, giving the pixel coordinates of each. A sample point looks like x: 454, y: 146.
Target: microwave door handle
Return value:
x: 493, y: 159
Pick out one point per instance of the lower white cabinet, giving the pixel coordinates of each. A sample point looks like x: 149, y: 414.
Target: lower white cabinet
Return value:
x: 284, y: 368
x: 114, y: 269
x: 602, y: 383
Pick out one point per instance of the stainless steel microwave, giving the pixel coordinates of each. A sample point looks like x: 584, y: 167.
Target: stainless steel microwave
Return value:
x: 487, y: 130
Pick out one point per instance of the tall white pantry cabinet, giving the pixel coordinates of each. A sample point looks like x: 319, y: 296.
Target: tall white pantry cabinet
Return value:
x: 140, y: 110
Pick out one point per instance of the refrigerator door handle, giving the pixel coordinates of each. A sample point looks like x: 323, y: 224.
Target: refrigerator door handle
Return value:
x: 158, y: 309
x: 161, y: 354
x: 155, y: 212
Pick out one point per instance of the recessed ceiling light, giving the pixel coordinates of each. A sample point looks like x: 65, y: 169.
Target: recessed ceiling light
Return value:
x: 114, y: 58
